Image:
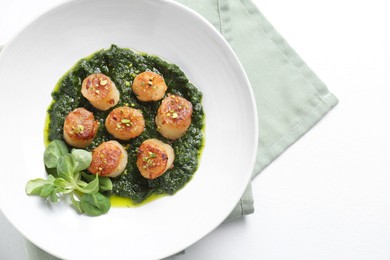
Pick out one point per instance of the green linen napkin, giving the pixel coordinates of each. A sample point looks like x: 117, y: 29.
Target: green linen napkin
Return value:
x: 290, y: 98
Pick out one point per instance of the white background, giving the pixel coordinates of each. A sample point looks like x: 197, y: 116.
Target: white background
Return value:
x: 327, y: 196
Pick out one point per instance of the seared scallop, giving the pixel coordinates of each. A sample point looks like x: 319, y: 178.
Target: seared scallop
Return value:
x: 100, y: 91
x: 80, y: 127
x: 149, y: 86
x: 125, y: 123
x: 108, y: 159
x: 154, y: 158
x: 174, y: 117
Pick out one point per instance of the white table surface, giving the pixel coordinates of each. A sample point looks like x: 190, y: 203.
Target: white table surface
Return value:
x: 327, y: 196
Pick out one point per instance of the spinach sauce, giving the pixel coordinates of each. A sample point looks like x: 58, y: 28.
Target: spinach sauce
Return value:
x: 122, y: 66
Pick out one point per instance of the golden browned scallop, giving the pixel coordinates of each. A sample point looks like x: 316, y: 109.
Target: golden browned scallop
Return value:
x: 100, y: 91
x: 149, y: 86
x: 108, y: 159
x: 154, y: 158
x: 80, y: 127
x: 125, y: 123
x: 174, y: 117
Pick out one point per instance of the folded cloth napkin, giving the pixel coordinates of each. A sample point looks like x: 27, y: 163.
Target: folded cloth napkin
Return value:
x: 290, y: 98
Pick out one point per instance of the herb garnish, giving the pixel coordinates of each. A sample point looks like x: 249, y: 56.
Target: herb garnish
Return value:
x: 67, y: 178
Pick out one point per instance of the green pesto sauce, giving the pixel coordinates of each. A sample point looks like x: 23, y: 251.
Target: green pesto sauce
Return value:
x: 122, y: 65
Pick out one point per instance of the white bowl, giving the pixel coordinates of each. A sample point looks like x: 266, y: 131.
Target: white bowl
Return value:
x: 30, y: 66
